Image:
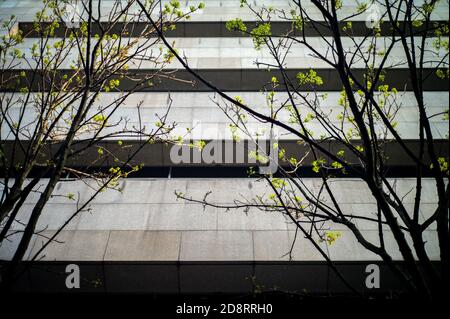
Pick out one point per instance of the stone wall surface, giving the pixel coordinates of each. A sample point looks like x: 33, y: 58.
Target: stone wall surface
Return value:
x: 146, y: 223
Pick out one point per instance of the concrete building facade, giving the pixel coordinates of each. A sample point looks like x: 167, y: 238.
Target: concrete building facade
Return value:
x: 144, y: 239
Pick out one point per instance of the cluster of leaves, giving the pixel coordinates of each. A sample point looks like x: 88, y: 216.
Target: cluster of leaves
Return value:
x: 309, y: 77
x: 174, y: 12
x: 259, y: 34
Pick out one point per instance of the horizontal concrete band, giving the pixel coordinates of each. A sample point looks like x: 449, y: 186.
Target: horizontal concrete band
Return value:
x: 237, y: 53
x: 145, y: 222
x: 198, y: 114
x: 229, y: 155
x: 201, y: 245
x: 183, y: 102
x: 217, y: 10
x: 199, y: 29
x: 148, y: 207
x: 224, y: 79
x: 203, y: 277
x: 202, y: 106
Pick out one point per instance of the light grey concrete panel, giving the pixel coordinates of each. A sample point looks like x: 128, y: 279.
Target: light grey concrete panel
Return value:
x: 22, y: 217
x: 56, y: 215
x: 52, y: 217
x: 143, y: 245
x: 181, y: 217
x: 254, y: 219
x: 359, y: 214
x: 405, y: 188
x: 431, y: 242
x: 216, y: 245
x: 347, y: 248
x: 347, y: 191
x: 197, y: 188
x: 362, y: 210
x: 115, y: 217
x: 132, y: 191
x: 240, y: 189
x: 9, y: 245
x: 276, y: 245
x: 427, y: 211
x: 440, y: 130
x: 73, y: 245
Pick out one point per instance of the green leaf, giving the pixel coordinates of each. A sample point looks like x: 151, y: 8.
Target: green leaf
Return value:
x: 260, y: 35
x: 236, y: 25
